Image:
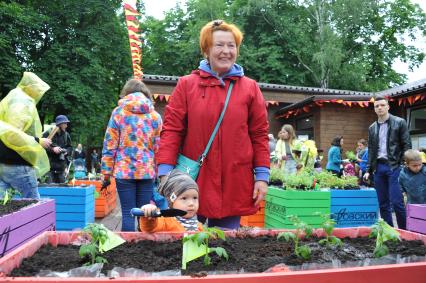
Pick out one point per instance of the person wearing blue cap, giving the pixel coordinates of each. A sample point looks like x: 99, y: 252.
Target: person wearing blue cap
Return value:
x: 59, y: 150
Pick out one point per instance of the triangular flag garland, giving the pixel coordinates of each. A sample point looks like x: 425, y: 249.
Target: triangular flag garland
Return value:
x: 135, y: 38
x: 307, y: 108
x: 161, y: 97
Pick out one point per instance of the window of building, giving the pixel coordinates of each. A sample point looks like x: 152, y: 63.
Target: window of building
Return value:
x: 417, y: 119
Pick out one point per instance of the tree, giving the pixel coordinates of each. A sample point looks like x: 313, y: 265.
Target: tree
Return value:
x: 80, y: 49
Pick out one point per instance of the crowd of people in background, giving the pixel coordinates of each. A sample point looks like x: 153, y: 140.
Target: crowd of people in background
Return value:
x: 215, y: 100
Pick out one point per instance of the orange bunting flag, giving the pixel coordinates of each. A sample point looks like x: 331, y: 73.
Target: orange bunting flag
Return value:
x: 135, y: 39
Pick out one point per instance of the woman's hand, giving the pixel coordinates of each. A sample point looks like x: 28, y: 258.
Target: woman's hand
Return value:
x: 149, y: 210
x: 45, y: 143
x: 259, y: 192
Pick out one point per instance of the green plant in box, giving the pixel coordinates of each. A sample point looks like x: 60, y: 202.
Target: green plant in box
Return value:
x: 276, y: 176
x: 8, y: 195
x: 301, y: 228
x: 383, y: 233
x: 196, y: 245
x: 301, y: 181
x: 328, y: 226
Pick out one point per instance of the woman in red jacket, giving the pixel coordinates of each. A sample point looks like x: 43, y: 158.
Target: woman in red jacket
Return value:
x: 233, y: 178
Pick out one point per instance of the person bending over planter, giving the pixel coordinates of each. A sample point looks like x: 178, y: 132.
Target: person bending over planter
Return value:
x: 131, y: 139
x: 228, y: 187
x: 181, y: 192
x: 412, y: 178
x: 22, y: 149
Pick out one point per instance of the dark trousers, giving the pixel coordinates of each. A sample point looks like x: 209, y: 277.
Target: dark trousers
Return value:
x: 230, y: 222
x: 389, y: 193
x: 133, y: 193
x: 56, y: 176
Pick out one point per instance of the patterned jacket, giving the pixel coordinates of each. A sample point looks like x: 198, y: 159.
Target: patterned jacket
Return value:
x: 131, y: 139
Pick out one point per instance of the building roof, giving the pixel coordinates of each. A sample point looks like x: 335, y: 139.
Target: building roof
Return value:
x: 404, y: 90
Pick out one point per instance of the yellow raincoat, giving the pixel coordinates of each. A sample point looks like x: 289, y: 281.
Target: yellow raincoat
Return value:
x: 20, y: 123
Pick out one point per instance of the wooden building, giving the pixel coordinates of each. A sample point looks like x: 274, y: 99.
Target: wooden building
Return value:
x: 321, y: 114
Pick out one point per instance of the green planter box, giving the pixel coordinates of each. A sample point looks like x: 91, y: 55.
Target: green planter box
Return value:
x: 281, y: 203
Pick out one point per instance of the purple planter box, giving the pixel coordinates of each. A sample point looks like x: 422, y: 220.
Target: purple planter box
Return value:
x: 416, y: 218
x: 21, y: 226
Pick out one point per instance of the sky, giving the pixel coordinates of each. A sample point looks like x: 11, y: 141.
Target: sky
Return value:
x: 153, y: 8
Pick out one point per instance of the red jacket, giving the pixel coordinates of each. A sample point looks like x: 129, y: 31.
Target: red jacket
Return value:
x: 226, y: 179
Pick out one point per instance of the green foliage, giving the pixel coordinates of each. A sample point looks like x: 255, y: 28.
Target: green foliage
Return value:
x: 98, y: 235
x: 383, y: 233
x: 327, y: 179
x: 80, y: 49
x: 301, y: 181
x: 8, y: 195
x: 350, y: 155
x: 343, y: 44
x: 203, y: 237
x: 276, y: 175
x: 301, y: 228
x: 328, y: 226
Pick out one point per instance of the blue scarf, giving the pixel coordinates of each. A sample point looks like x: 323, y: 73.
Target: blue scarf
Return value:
x: 235, y: 71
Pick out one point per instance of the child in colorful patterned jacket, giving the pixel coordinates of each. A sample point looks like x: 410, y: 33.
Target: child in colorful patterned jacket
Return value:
x: 181, y: 192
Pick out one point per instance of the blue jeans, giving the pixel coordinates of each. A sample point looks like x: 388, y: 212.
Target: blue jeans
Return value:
x: 133, y: 193
x: 19, y: 177
x: 389, y: 193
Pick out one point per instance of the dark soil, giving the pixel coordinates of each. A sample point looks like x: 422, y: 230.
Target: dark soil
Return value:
x: 14, y: 205
x: 245, y: 254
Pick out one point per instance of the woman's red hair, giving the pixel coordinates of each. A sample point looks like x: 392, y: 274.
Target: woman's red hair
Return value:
x: 206, y: 34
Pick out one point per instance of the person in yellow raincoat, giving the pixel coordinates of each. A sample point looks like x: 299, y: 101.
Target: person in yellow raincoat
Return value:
x: 22, y: 150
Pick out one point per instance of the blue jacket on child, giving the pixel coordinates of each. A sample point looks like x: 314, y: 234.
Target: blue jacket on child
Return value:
x: 414, y: 185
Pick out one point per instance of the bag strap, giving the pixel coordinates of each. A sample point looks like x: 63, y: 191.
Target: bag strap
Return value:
x: 216, y: 128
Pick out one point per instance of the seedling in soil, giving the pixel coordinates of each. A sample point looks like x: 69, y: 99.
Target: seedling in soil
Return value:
x: 99, y: 235
x: 328, y: 226
x: 301, y: 228
x: 8, y: 195
x: 383, y: 233
x: 201, y: 240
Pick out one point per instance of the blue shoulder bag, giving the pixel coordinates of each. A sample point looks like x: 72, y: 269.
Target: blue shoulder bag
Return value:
x: 192, y: 167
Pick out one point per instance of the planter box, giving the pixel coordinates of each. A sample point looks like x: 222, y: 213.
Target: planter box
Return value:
x: 354, y: 208
x: 392, y: 273
x: 255, y: 220
x: 75, y: 206
x: 281, y: 203
x: 23, y: 225
x: 416, y: 218
x: 106, y: 201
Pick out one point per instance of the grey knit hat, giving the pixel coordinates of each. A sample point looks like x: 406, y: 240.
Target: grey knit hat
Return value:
x: 175, y: 184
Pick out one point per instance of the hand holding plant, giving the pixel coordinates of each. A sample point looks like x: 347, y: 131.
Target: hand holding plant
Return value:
x: 301, y: 227
x: 383, y: 233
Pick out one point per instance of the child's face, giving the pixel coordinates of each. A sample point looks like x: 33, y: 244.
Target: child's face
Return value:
x: 415, y: 166
x: 187, y: 201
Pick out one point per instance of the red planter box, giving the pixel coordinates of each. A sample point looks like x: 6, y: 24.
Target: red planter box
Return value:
x: 21, y: 226
x: 394, y: 273
x: 416, y: 218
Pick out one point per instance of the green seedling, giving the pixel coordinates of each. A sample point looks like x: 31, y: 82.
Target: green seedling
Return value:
x: 301, y: 228
x: 199, y: 245
x: 350, y: 155
x: 99, y: 236
x: 8, y: 195
x: 383, y: 233
x: 328, y: 226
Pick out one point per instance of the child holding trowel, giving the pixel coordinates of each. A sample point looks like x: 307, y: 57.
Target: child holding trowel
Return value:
x: 181, y: 192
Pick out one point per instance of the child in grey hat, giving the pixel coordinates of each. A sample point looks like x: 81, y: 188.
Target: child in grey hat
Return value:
x: 181, y: 192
